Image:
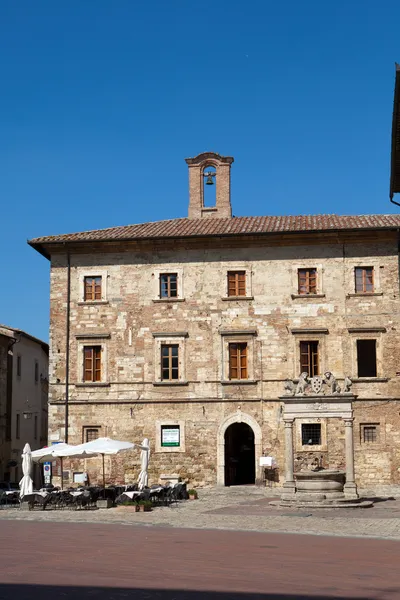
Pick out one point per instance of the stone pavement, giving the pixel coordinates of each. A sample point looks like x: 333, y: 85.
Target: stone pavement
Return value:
x: 83, y: 561
x: 239, y: 509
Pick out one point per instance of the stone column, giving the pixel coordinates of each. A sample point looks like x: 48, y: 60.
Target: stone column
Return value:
x: 289, y: 485
x: 350, y: 488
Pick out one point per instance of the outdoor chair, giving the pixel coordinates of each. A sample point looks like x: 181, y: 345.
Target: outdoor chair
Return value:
x: 168, y: 496
x: 156, y: 495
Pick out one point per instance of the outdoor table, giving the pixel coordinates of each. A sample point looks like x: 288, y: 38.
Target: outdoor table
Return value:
x: 77, y: 493
x: 131, y: 495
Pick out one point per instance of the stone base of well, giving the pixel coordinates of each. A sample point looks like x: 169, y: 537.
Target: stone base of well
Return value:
x: 323, y: 488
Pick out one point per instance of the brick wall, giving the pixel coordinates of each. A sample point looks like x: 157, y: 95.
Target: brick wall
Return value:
x: 129, y: 404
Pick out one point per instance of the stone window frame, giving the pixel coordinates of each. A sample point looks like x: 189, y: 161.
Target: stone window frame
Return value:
x: 309, y: 335
x: 176, y: 338
x: 92, y: 272
x: 85, y: 428
x: 380, y: 444
x: 323, y: 447
x: 350, y: 286
x: 238, y: 337
x: 367, y: 334
x: 170, y: 422
x: 294, y: 284
x: 92, y: 341
x: 156, y: 283
x: 238, y: 266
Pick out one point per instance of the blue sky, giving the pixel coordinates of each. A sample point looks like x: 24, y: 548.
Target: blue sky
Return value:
x: 101, y: 102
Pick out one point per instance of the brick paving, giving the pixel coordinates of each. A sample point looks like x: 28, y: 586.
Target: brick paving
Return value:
x: 75, y: 561
x: 239, y: 509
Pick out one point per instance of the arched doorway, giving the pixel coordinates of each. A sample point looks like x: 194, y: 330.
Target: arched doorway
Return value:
x: 239, y: 455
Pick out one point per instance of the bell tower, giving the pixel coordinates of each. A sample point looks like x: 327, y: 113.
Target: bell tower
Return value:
x: 209, y: 169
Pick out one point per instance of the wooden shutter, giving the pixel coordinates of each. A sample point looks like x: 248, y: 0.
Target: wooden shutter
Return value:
x: 92, y: 363
x: 238, y: 361
x: 236, y: 283
x: 309, y: 362
x: 307, y: 279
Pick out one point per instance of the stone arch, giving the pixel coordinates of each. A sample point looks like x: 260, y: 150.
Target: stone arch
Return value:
x: 237, y: 417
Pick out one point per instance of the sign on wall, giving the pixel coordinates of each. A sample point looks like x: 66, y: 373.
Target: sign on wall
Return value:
x: 170, y: 435
x: 47, y: 472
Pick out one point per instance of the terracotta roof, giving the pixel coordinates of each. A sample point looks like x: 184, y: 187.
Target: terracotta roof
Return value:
x: 181, y: 228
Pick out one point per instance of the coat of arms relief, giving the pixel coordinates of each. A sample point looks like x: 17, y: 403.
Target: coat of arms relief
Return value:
x: 319, y: 385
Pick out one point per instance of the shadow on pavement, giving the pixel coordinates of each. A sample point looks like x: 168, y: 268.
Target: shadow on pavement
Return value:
x: 50, y: 592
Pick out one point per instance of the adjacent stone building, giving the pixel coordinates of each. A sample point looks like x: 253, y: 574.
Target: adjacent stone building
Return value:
x: 24, y: 362
x: 185, y: 332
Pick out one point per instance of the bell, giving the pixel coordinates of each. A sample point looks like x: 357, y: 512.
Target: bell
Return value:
x: 209, y: 179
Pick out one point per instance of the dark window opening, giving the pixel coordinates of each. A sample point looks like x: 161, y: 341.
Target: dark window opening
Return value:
x: 35, y: 431
x: 369, y: 433
x: 309, y: 362
x: 168, y: 285
x: 36, y: 371
x: 90, y: 434
x: 366, y: 358
x: 311, y: 434
x: 18, y: 427
x: 19, y: 365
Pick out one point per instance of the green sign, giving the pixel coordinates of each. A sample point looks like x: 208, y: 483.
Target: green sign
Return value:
x: 170, y: 435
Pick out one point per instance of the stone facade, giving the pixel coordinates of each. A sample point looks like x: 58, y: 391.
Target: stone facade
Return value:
x: 23, y: 399
x: 131, y: 321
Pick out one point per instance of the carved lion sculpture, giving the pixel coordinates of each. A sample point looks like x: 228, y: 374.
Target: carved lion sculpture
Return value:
x: 330, y: 380
x: 302, y: 384
x: 289, y: 387
x: 347, y: 384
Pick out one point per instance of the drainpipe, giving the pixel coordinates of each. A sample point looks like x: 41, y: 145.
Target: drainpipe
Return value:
x: 67, y: 346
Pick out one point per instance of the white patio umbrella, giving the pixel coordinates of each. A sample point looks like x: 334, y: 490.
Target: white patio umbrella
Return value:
x: 49, y: 453
x: 26, y: 483
x: 101, y: 446
x: 144, y: 464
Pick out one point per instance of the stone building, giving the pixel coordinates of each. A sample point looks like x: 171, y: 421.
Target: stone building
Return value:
x: 185, y: 331
x: 24, y: 364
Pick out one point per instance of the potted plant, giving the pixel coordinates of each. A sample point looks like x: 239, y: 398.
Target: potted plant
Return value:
x: 145, y: 505
x: 193, y: 495
x: 129, y: 505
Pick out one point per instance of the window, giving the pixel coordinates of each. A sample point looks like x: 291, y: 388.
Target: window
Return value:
x: 364, y: 277
x: 369, y: 433
x: 236, y: 283
x: 92, y: 363
x: 90, y: 433
x: 18, y: 427
x: 35, y: 428
x: 92, y: 288
x: 309, y: 362
x: 366, y: 358
x: 168, y: 285
x: 311, y: 434
x: 170, y: 436
x: 169, y: 362
x: 307, y: 281
x: 19, y: 365
x: 36, y: 371
x: 238, y: 361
